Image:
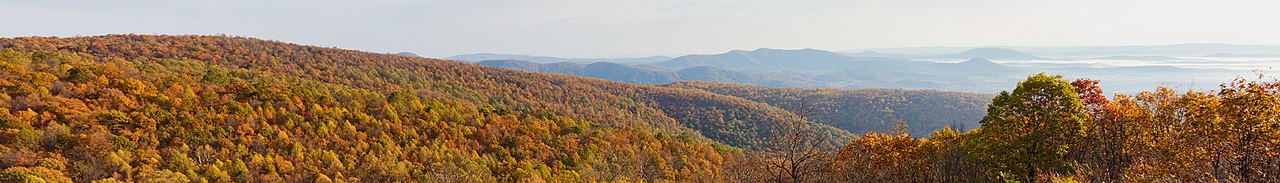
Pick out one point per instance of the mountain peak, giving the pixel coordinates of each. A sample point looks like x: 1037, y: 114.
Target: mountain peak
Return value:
x: 763, y: 58
x: 408, y: 54
x: 980, y: 63
x: 995, y: 53
x: 546, y: 59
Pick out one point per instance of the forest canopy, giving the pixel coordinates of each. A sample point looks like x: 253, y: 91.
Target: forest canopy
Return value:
x: 148, y: 108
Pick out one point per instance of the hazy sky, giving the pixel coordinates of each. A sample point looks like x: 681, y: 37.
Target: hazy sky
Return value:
x: 594, y: 28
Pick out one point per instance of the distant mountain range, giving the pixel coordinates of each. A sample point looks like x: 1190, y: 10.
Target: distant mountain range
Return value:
x: 1173, y: 50
x: 764, y: 58
x: 789, y: 68
x: 544, y: 59
x: 988, y: 53
x: 654, y: 75
x: 983, y: 70
x: 821, y: 61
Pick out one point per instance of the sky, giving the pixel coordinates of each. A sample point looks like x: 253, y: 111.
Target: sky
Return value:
x: 632, y: 28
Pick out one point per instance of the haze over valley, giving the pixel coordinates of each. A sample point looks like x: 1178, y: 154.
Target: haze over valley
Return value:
x: 1125, y: 69
x: 645, y: 91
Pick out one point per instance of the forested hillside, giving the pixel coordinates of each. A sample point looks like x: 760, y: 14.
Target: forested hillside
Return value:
x: 69, y: 117
x: 194, y: 106
x: 148, y: 108
x: 1049, y: 129
x: 864, y: 110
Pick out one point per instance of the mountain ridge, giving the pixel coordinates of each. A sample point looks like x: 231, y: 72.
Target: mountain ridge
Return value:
x: 994, y: 53
x: 476, y: 57
x: 625, y: 105
x: 780, y: 59
x: 649, y: 75
x: 411, y: 54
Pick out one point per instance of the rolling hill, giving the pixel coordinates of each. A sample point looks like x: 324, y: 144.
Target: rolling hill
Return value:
x: 987, y: 53
x: 411, y: 54
x: 809, y: 68
x: 761, y: 58
x: 865, y: 110
x: 245, y: 106
x: 545, y: 59
x: 1173, y: 50
x: 990, y: 53
x: 654, y: 75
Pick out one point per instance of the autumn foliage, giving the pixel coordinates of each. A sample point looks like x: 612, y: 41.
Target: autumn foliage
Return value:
x: 223, y: 109
x: 147, y: 108
x: 1049, y: 129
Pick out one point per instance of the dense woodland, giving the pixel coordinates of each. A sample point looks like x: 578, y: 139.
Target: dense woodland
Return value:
x: 864, y: 110
x: 145, y: 108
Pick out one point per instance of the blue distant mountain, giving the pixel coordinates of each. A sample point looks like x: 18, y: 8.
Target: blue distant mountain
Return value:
x: 980, y: 63
x: 408, y: 54
x: 544, y: 59
x: 778, y: 59
x: 1172, y: 50
x: 976, y: 72
x: 655, y: 75
x: 790, y: 68
x: 991, y: 53
x: 987, y: 53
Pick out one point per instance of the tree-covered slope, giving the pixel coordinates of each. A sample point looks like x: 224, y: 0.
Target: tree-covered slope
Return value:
x: 640, y: 74
x: 864, y: 110
x: 138, y: 107
x: 67, y: 117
